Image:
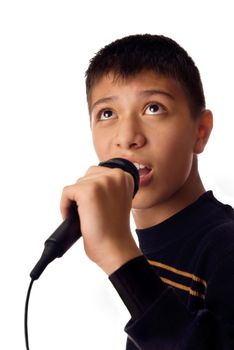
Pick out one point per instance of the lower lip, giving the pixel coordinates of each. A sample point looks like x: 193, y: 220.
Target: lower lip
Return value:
x: 145, y: 179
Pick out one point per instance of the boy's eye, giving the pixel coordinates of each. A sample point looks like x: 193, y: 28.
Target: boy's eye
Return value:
x: 106, y: 114
x: 154, y: 108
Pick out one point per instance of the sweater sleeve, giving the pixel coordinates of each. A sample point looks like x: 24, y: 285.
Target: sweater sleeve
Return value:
x: 161, y: 321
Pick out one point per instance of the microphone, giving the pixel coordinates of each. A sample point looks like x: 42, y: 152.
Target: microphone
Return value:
x: 69, y: 231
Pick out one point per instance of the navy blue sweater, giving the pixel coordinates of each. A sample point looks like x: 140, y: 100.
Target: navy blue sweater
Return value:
x: 180, y: 292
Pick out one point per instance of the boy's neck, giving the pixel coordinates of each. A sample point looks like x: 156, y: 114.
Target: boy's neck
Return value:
x: 188, y: 194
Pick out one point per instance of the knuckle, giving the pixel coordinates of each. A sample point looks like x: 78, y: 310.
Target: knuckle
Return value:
x: 89, y: 190
x: 122, y: 176
x: 65, y: 190
x: 91, y: 170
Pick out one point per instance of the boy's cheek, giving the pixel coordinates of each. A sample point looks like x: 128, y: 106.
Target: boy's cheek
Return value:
x: 98, y: 145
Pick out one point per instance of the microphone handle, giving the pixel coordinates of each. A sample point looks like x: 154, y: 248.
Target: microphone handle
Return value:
x: 69, y: 231
x: 58, y: 243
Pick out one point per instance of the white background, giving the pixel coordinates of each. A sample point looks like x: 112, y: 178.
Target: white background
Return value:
x: 45, y: 143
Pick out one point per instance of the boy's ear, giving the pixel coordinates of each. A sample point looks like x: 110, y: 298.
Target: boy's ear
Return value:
x: 204, y: 127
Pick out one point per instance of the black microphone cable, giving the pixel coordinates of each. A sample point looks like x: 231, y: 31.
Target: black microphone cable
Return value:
x: 26, y: 314
x: 67, y: 234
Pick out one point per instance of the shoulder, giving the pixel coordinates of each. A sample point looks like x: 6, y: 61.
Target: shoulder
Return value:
x: 222, y: 238
x: 216, y: 233
x: 219, y: 224
x: 217, y: 248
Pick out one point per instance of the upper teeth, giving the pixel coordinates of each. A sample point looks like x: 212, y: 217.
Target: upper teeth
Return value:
x: 139, y: 166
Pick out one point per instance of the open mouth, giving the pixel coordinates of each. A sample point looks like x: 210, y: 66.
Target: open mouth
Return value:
x: 145, y: 173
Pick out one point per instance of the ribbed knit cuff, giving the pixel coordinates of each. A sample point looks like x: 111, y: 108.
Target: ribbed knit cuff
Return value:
x: 138, y: 285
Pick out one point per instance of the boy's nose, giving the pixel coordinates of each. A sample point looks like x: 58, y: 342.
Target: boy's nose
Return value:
x: 129, y: 135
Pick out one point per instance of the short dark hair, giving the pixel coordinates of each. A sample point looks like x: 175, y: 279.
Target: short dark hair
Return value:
x: 130, y: 55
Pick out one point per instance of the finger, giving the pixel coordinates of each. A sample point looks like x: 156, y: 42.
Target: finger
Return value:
x: 93, y: 172
x: 69, y: 198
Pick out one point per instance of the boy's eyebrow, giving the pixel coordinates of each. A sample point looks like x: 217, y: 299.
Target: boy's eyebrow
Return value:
x: 144, y: 92
x: 103, y: 100
x: 156, y: 92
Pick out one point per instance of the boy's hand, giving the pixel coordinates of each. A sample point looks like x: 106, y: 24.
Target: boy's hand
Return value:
x: 104, y: 198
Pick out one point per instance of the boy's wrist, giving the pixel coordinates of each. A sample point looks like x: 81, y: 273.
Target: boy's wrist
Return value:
x: 118, y: 256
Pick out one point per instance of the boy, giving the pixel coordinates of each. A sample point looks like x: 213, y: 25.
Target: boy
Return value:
x: 147, y: 105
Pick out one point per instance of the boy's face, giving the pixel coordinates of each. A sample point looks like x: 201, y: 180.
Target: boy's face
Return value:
x: 147, y: 120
